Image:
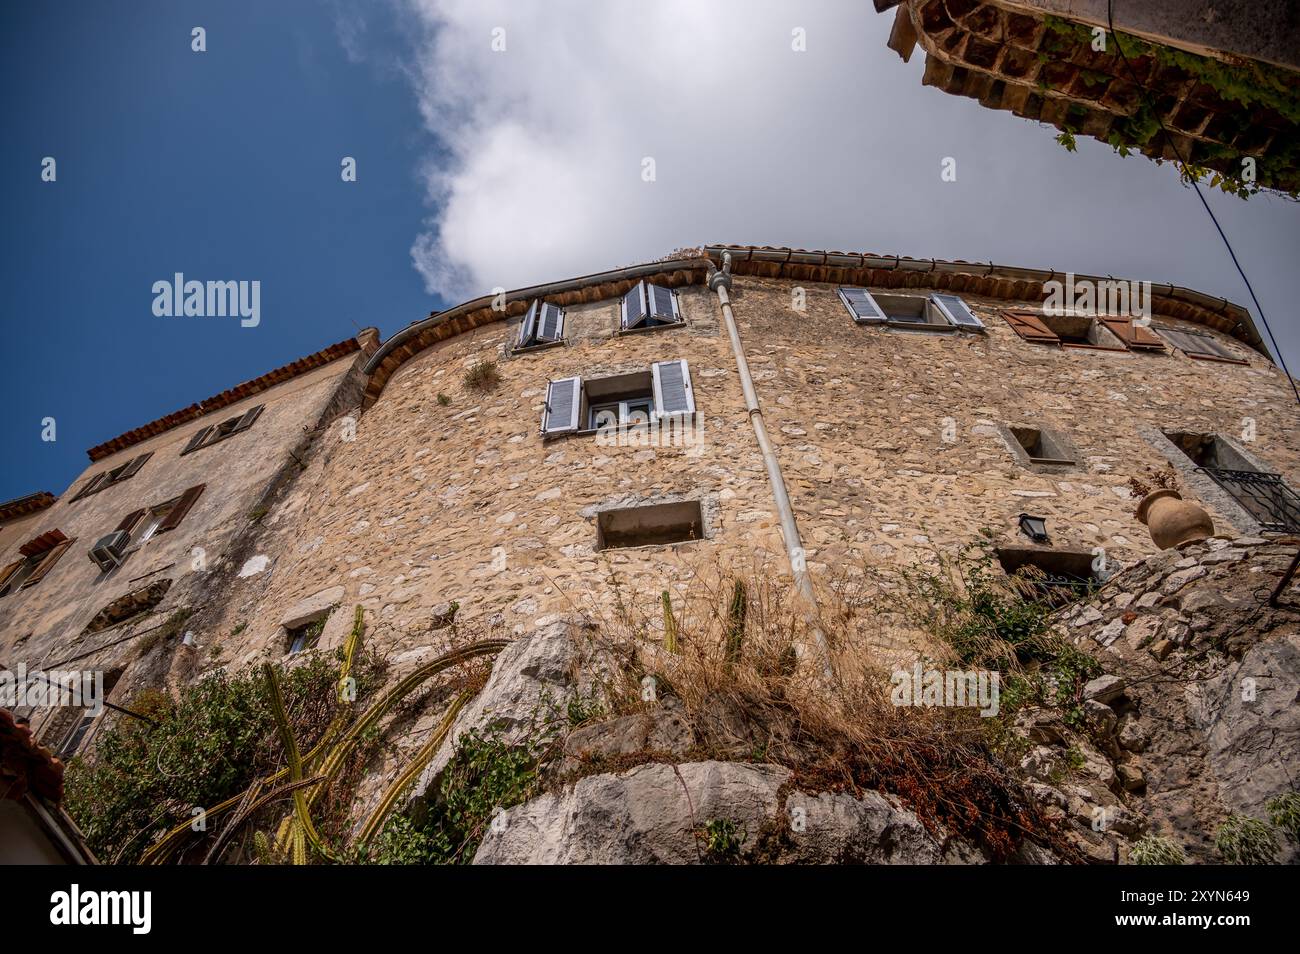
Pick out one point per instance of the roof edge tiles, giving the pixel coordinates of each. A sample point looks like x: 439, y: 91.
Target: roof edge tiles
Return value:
x: 226, y: 398
x: 889, y: 271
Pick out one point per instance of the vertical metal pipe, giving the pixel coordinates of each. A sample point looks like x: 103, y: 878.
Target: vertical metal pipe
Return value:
x: 720, y: 282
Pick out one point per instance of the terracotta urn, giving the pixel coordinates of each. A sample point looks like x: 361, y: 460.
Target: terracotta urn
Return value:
x: 1173, y: 520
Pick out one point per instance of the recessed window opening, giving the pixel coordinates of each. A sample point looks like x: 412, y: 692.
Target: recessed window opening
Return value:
x: 1054, y: 577
x: 128, y: 607
x: 1081, y: 330
x: 19, y: 576
x: 1040, y: 446
x: 306, y: 635
x: 1209, y: 450
x: 650, y: 525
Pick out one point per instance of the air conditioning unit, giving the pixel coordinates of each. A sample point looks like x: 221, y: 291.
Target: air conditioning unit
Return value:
x: 109, y: 552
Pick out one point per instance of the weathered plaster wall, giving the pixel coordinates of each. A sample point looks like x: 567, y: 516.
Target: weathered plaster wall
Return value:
x: 42, y: 625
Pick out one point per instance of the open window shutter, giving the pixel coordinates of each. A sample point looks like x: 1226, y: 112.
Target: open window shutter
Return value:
x: 135, y: 465
x: 634, y: 307
x: 47, y: 564
x: 528, y: 327
x: 129, y: 520
x: 550, y: 323
x: 1133, y: 335
x: 9, y: 571
x: 1030, y: 327
x: 247, y: 420
x: 178, y: 512
x: 672, y: 388
x: 957, y: 312
x: 862, y: 306
x: 197, y: 440
x: 58, y: 727
x: 563, y: 398
x: 90, y: 485
x: 663, y: 303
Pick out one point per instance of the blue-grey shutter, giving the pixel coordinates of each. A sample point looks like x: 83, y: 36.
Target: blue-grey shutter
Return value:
x: 663, y: 304
x: 550, y: 327
x: 197, y: 440
x: 90, y: 485
x: 563, y: 399
x: 248, y: 418
x: 634, y: 307
x: 957, y: 312
x: 672, y: 388
x: 861, y: 306
x: 134, y: 466
x: 527, y: 329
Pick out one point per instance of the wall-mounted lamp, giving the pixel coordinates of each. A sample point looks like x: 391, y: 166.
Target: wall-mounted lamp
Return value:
x: 1035, y: 528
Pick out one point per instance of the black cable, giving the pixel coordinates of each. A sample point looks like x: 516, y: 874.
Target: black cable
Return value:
x: 1191, y: 177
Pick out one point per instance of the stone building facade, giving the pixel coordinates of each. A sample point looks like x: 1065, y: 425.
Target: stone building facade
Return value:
x: 414, y: 478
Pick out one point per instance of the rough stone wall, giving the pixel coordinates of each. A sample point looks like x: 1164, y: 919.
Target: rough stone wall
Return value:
x: 892, y: 443
x: 860, y: 414
x: 1206, y: 689
x: 43, y: 625
x: 465, y: 502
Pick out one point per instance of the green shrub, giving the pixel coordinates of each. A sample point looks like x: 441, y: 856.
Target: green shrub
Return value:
x: 141, y: 780
x: 1284, y: 813
x: 1154, y: 850
x: 485, y: 775
x: 1243, y: 840
x: 720, y: 841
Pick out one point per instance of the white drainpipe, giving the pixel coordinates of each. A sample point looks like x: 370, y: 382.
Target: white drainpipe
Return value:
x: 720, y: 282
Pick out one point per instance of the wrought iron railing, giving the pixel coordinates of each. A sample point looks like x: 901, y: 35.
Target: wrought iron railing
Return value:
x: 1266, y: 497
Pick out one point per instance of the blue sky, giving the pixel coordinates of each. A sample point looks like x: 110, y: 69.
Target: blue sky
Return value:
x: 484, y: 163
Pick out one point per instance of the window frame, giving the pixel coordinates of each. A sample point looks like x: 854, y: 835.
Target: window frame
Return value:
x: 1223, y: 356
x: 935, y: 316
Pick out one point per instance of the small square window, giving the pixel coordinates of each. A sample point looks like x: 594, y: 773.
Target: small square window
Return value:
x: 306, y: 635
x: 1081, y: 331
x: 650, y: 525
x: 1041, y: 447
x: 1054, y: 577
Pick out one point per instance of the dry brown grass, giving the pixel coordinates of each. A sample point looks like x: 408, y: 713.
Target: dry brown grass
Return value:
x: 836, y: 734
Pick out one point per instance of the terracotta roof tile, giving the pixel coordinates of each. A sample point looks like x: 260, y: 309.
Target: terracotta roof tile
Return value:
x: 225, y: 398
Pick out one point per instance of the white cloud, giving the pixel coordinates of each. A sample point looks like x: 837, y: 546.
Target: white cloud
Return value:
x: 538, y: 174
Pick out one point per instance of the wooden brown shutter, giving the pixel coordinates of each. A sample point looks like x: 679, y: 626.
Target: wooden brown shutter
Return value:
x: 129, y: 520
x: 133, y: 468
x: 247, y: 420
x: 9, y: 571
x: 90, y: 485
x: 1133, y: 335
x: 178, y: 512
x: 197, y: 440
x: 47, y: 564
x: 1030, y: 327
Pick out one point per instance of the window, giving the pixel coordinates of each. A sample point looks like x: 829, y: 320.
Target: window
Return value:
x: 38, y: 557
x: 575, y: 405
x: 131, y: 606
x: 140, y: 526
x: 650, y: 525
x: 1083, y: 331
x: 66, y: 730
x: 1265, y: 497
x: 648, y: 306
x: 1069, y: 330
x: 542, y: 325
x: 214, y: 433
x: 1055, y: 577
x: 306, y: 635
x: 922, y: 312
x: 1197, y: 344
x: 1041, y: 446
x: 108, y: 478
